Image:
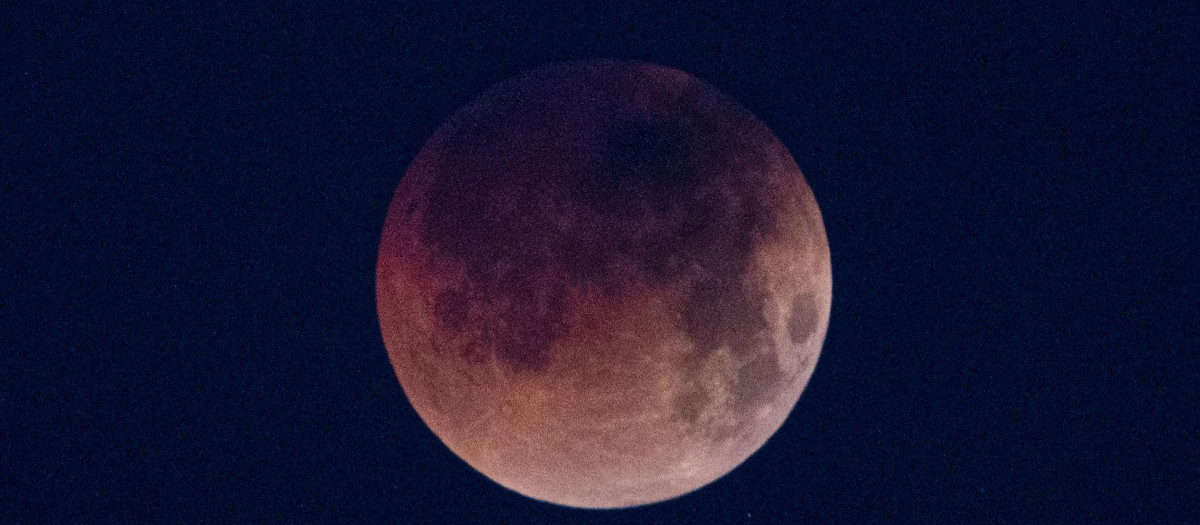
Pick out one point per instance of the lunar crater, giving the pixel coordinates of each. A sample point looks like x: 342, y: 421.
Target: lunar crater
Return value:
x: 803, y: 318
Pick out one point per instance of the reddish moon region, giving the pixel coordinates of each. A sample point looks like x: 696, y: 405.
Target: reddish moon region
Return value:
x: 603, y: 284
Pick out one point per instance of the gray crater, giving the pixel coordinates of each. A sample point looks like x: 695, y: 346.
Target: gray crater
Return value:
x: 802, y: 321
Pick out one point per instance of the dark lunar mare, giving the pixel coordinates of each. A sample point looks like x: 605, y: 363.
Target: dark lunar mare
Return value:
x: 803, y: 318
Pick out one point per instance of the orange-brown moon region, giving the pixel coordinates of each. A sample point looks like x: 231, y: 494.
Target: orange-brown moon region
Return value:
x: 603, y: 284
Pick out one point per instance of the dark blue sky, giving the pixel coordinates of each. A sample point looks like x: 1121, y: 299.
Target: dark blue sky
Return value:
x: 1010, y: 196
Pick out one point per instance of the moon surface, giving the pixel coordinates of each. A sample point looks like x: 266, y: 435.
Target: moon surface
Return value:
x: 603, y: 284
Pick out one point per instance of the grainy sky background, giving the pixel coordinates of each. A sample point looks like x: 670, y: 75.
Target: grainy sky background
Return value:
x: 1010, y: 195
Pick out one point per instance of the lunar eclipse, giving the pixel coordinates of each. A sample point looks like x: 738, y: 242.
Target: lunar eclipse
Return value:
x: 603, y: 284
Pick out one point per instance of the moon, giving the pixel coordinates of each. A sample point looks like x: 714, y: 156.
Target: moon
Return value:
x: 603, y: 284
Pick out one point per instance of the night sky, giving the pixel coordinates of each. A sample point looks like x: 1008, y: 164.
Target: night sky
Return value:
x: 1010, y: 196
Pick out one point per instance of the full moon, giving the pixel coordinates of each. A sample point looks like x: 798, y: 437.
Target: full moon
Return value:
x: 603, y: 284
